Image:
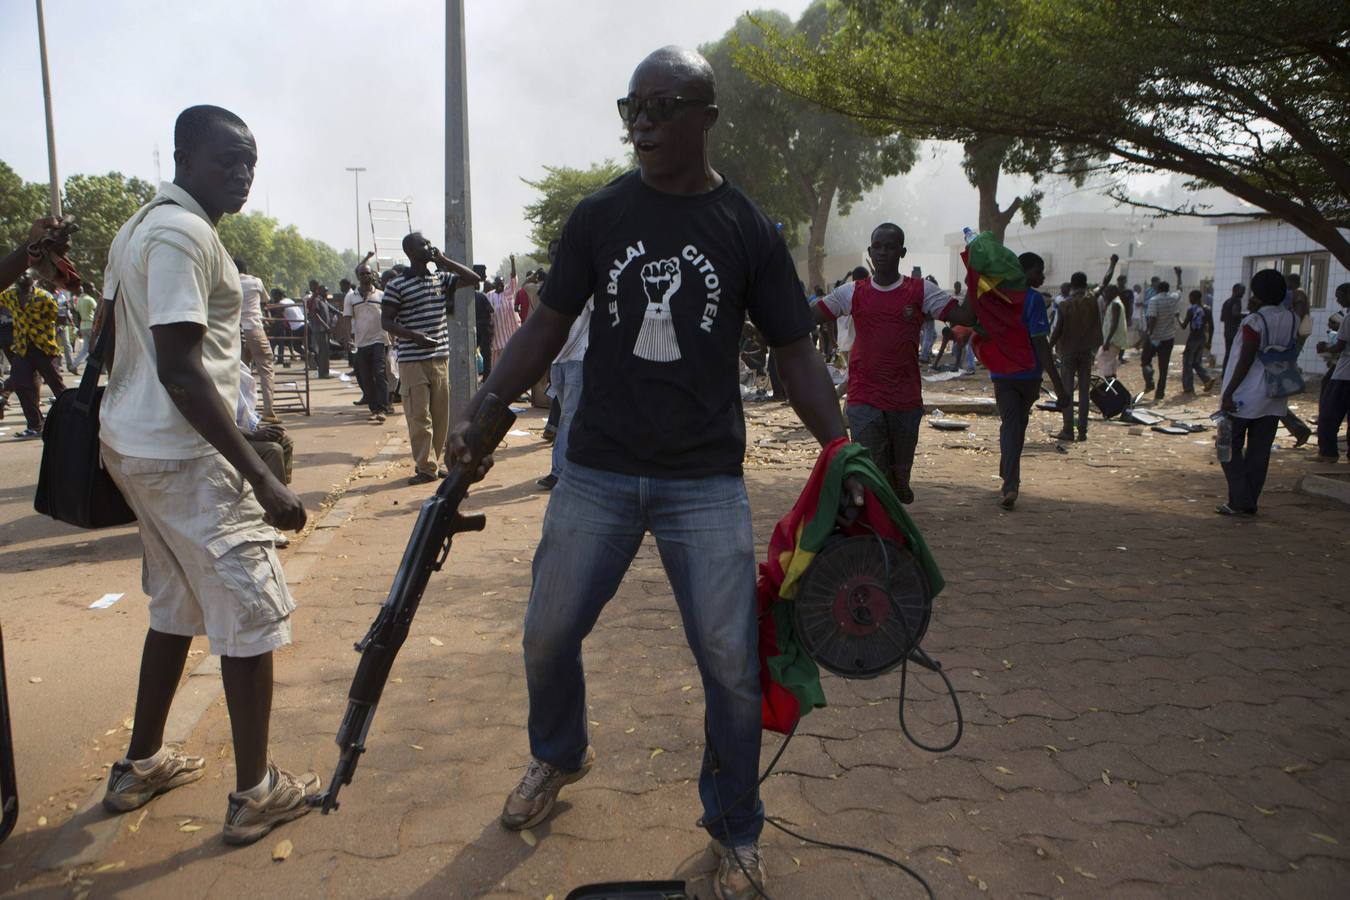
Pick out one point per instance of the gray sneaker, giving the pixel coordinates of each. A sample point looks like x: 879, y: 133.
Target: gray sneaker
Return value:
x: 741, y: 874
x: 533, y: 799
x: 248, y: 819
x: 131, y: 787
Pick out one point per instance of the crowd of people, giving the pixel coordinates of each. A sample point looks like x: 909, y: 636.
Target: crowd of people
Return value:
x: 1077, y: 338
x: 646, y: 419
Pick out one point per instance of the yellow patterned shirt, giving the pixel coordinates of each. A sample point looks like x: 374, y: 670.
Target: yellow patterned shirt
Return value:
x: 34, y: 322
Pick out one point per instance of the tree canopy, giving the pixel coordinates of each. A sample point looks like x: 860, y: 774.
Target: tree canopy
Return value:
x: 560, y: 190
x: 1217, y: 90
x: 281, y: 257
x: 796, y: 160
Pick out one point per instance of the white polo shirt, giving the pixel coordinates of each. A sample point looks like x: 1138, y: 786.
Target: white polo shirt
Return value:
x: 366, y: 316
x: 251, y: 317
x: 168, y: 268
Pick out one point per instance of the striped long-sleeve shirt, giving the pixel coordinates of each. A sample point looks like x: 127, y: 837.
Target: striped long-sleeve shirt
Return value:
x: 505, y: 320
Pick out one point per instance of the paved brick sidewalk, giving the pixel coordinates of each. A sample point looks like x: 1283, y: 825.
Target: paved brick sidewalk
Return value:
x: 1155, y: 702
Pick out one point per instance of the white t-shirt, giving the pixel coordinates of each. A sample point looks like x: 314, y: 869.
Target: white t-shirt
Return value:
x: 365, y: 316
x: 293, y: 312
x: 170, y: 269
x: 1250, y: 396
x: 1342, y: 370
x: 246, y: 410
x: 578, y: 337
x: 845, y: 332
x: 250, y: 318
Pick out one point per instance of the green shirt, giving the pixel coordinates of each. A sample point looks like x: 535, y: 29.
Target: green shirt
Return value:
x: 85, y: 307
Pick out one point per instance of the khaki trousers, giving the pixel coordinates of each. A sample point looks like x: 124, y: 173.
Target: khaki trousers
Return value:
x: 260, y: 357
x: 426, y: 406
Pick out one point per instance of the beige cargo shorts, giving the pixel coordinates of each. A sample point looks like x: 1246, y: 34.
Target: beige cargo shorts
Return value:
x: 210, y: 566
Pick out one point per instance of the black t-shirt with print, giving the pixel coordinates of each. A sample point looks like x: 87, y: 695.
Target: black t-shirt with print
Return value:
x: 673, y: 278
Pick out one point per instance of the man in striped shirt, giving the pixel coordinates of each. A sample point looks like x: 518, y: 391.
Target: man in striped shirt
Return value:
x: 415, y: 311
x: 505, y: 319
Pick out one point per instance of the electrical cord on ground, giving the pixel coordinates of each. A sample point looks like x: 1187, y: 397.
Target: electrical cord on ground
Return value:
x: 923, y: 659
x: 936, y: 666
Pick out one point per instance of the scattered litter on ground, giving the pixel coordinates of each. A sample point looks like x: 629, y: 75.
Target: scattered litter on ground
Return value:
x: 106, y: 601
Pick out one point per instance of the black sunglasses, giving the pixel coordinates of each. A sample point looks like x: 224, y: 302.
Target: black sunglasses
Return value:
x: 658, y: 109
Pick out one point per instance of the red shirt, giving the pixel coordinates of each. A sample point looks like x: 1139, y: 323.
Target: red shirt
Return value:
x: 883, y: 368
x: 522, y: 304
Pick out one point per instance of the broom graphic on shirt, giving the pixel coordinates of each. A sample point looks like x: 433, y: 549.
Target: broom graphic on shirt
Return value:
x: 656, y: 340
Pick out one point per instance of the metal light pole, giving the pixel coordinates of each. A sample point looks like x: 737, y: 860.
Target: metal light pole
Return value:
x: 356, y: 173
x: 55, y: 185
x: 458, y: 223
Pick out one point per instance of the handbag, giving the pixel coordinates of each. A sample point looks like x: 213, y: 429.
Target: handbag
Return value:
x: 1280, y: 363
x: 73, y: 486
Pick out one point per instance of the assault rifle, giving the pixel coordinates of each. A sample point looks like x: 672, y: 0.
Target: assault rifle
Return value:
x: 437, y: 524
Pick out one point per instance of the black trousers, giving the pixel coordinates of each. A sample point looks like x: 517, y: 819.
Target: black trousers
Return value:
x: 23, y: 378
x: 485, y: 348
x: 1014, y: 398
x: 1077, y: 368
x: 370, y: 375
x: 1333, y: 408
x: 1163, y: 352
x: 1246, y: 471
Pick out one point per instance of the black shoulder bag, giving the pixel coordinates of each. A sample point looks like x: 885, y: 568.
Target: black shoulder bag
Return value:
x: 73, y: 487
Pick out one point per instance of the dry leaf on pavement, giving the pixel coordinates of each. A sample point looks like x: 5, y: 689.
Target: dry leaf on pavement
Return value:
x: 436, y: 642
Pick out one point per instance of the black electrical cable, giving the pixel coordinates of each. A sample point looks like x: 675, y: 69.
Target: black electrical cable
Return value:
x: 928, y: 662
x: 912, y: 873
x: 956, y: 705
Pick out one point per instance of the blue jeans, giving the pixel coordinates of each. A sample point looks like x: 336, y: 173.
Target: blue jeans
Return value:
x: 592, y: 529
x: 928, y: 336
x: 566, y: 381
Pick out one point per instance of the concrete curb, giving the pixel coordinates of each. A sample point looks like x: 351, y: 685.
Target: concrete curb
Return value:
x: 1332, y: 485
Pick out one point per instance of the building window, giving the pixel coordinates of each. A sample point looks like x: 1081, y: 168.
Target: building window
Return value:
x: 1311, y: 268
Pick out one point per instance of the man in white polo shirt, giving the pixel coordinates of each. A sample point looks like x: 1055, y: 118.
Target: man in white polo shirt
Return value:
x: 204, y: 501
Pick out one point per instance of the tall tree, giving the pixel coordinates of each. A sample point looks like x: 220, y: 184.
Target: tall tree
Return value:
x: 101, y: 204
x: 560, y: 190
x: 1211, y: 89
x: 20, y: 204
x: 250, y: 237
x: 796, y: 160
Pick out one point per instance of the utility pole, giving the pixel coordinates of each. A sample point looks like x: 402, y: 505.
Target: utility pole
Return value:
x: 356, y: 173
x: 458, y: 222
x: 55, y: 185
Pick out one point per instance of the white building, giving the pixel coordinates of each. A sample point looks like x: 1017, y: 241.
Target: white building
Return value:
x: 1083, y: 242
x: 1247, y: 245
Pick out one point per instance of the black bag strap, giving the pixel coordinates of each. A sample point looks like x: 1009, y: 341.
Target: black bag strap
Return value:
x: 107, y: 334
x: 93, y: 365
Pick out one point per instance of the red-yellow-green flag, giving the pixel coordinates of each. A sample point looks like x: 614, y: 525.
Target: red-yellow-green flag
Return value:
x: 789, y: 678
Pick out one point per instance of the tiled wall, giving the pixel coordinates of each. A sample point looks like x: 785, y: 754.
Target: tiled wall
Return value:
x: 1271, y: 237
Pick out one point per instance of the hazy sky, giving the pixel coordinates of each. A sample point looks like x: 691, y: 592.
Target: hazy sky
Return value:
x: 325, y: 85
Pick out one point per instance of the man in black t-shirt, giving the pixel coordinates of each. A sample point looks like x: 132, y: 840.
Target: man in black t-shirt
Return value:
x: 676, y: 258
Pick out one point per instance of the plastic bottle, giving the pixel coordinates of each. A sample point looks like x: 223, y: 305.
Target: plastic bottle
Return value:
x: 968, y: 234
x: 1223, y: 438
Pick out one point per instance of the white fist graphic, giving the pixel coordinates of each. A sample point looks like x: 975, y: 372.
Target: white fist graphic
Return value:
x: 656, y: 339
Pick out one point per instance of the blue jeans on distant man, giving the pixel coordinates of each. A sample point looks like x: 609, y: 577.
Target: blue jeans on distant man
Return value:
x: 593, y: 527
x: 565, y: 380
